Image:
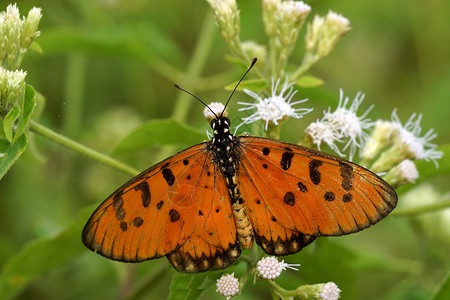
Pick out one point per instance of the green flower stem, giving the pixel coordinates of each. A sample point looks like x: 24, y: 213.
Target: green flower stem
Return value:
x: 74, y: 90
x: 273, y: 131
x: 93, y: 154
x: 195, y: 67
x: 421, y: 209
x: 307, y: 62
x: 285, y: 294
x: 307, y: 142
x: 273, y: 58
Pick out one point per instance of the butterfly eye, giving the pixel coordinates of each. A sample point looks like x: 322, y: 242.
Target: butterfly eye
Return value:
x: 226, y: 120
x: 213, y: 123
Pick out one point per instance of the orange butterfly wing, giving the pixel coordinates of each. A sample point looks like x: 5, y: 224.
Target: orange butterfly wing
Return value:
x: 294, y: 194
x: 179, y: 208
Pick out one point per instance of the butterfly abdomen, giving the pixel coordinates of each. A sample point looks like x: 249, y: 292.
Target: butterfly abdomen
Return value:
x: 226, y: 157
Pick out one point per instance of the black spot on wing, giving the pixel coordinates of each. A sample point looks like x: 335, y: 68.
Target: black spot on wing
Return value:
x: 347, y: 175
x: 329, y: 196
x: 168, y: 176
x: 289, y: 199
x: 174, y: 215
x: 302, y: 187
x: 286, y: 160
x: 314, y: 173
x: 145, y: 192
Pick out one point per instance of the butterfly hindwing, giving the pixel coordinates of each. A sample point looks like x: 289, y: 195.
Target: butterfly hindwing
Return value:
x: 179, y: 208
x: 294, y: 194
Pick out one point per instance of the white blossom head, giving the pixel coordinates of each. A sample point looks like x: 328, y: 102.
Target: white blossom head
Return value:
x: 324, y: 32
x: 215, y: 107
x: 409, y: 141
x: 402, y: 173
x: 383, y: 135
x: 321, y: 291
x: 322, y: 132
x: 270, y: 268
x: 227, y: 18
x: 347, y: 122
x: 330, y: 291
x: 342, y: 124
x: 12, y: 88
x: 276, y: 108
x: 228, y: 285
x: 289, y: 17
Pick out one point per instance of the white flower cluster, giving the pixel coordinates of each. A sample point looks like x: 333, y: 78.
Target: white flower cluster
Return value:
x: 228, y: 285
x: 270, y: 268
x: 12, y: 87
x: 17, y: 34
x: 276, y: 108
x: 330, y: 291
x: 405, y: 142
x: 341, y: 124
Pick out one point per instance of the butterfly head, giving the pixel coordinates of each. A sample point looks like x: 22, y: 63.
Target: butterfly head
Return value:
x: 221, y: 128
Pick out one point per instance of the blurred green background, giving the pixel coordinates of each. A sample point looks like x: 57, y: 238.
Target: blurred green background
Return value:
x: 109, y: 65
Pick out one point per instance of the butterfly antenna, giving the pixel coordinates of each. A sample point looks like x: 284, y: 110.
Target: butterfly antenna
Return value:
x: 248, y: 70
x: 180, y: 88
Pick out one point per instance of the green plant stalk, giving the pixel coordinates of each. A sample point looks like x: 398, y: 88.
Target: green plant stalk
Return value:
x: 421, y: 209
x: 193, y: 71
x: 75, y: 146
x: 195, y: 67
x: 307, y: 62
x: 273, y: 57
x: 74, y: 90
x: 273, y: 131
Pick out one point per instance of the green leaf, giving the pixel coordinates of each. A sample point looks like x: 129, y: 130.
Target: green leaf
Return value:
x: 4, y: 145
x: 309, y: 82
x: 29, y: 102
x: 252, y: 84
x: 36, y: 47
x: 157, y: 133
x: 443, y: 290
x: 12, y: 154
x: 8, y: 122
x: 188, y: 286
x: 235, y: 60
x: 40, y: 256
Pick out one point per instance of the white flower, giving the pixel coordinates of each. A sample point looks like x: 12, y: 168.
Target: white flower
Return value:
x: 341, y: 124
x: 276, y: 107
x: 297, y: 10
x: 348, y: 123
x: 408, y: 171
x: 324, y: 32
x: 408, y: 139
x: 322, y: 131
x: 404, y: 172
x: 270, y: 268
x: 330, y: 291
x: 382, y: 136
x: 227, y: 18
x: 338, y: 20
x: 228, y: 285
x: 214, y: 109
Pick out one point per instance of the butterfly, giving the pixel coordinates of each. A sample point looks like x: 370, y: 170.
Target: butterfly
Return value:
x: 201, y: 206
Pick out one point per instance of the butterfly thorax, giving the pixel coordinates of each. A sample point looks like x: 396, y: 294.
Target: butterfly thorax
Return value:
x: 224, y: 147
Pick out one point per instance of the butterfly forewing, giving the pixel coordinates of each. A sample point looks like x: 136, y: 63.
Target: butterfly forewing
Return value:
x: 290, y: 190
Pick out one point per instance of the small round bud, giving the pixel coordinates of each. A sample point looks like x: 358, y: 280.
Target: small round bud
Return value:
x: 228, y: 285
